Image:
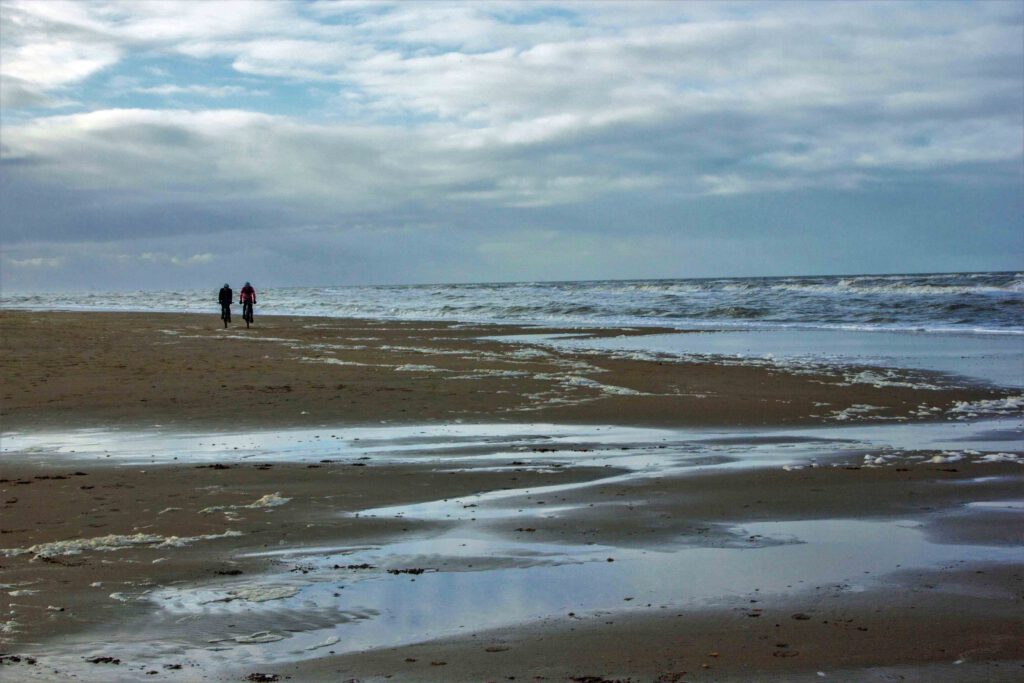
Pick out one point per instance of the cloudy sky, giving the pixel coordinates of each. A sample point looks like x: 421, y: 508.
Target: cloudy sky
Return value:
x: 179, y: 144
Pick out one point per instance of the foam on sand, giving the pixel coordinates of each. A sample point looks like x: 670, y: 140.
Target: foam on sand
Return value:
x: 111, y: 542
x: 1011, y: 405
x: 188, y: 600
x: 268, y: 501
x: 887, y: 378
x: 263, y: 593
x: 857, y: 410
x: 331, y: 361
x: 1002, y: 457
x: 413, y: 367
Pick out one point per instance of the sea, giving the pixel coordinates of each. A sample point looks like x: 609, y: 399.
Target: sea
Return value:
x: 969, y: 324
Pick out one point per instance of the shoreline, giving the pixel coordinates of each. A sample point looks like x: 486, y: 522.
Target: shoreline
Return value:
x: 273, y: 521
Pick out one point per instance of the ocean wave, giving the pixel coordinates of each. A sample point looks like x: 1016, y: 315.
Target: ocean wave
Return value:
x: 739, y: 312
x: 839, y: 289
x: 970, y: 303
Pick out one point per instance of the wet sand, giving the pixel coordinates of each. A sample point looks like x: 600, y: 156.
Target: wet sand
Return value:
x: 951, y: 616
x: 62, y: 370
x: 923, y: 628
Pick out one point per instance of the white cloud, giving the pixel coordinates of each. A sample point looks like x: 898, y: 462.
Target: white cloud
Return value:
x: 464, y: 111
x: 220, y: 153
x: 161, y: 257
x: 35, y: 262
x: 201, y: 90
x: 17, y: 94
x: 57, y: 63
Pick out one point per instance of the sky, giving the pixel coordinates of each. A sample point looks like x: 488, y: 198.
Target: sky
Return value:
x: 179, y: 144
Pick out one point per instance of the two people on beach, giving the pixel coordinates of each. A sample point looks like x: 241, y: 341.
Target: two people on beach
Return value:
x: 247, y: 297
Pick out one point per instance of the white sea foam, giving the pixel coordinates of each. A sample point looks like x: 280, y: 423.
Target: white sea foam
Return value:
x: 944, y: 458
x: 528, y: 354
x: 190, y: 599
x: 268, y: 501
x: 111, y: 542
x: 331, y: 361
x: 412, y: 367
x: 263, y: 593
x: 1011, y: 405
x: 323, y: 346
x: 855, y: 411
x: 482, y: 373
x: 604, y: 388
x: 1003, y: 457
x: 900, y: 457
x: 886, y: 378
x: 424, y: 351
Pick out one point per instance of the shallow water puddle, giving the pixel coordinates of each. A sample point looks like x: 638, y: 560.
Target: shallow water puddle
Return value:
x: 470, y: 445
x: 396, y: 444
x: 464, y: 580
x: 349, y: 601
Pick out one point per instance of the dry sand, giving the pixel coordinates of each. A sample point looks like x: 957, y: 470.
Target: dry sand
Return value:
x: 60, y: 371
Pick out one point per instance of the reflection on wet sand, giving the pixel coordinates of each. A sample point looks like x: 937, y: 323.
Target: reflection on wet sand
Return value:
x: 506, y: 556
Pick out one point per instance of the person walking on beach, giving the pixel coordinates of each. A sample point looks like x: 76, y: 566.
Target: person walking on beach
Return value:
x: 226, y: 297
x: 247, y: 297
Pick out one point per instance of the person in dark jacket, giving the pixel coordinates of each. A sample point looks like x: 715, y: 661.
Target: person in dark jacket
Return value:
x: 226, y: 297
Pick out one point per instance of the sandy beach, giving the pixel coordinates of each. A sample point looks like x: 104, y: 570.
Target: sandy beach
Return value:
x: 65, y: 369
x: 330, y: 499
x: 479, y: 342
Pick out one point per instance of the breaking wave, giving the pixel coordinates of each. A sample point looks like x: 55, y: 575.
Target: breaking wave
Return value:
x: 976, y: 303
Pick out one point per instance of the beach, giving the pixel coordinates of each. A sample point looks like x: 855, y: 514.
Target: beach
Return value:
x: 327, y: 498
x: 66, y: 369
x: 584, y: 342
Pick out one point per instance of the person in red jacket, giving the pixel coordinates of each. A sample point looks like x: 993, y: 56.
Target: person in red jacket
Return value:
x: 247, y: 297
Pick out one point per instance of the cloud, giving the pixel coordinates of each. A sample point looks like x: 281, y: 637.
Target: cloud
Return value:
x: 158, y: 257
x: 200, y: 90
x: 497, y: 80
x: 35, y: 262
x: 17, y: 94
x: 57, y: 63
x: 48, y: 47
x: 488, y: 114
x: 224, y: 153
